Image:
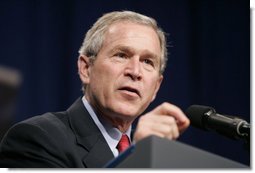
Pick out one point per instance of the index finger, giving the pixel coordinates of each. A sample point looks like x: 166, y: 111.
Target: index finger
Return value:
x: 172, y: 110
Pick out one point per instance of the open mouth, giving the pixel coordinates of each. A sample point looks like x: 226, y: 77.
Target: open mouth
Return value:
x: 130, y: 89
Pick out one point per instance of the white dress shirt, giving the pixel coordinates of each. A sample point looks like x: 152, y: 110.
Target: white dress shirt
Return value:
x: 111, y: 134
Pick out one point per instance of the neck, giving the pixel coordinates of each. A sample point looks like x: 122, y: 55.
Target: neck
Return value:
x: 116, y: 120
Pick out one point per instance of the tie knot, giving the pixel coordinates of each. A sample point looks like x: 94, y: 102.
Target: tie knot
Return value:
x: 123, y: 143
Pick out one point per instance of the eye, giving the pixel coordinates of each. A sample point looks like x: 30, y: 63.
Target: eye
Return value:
x: 149, y: 62
x: 121, y: 55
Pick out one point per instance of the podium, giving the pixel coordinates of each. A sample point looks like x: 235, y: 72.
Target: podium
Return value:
x: 156, y: 152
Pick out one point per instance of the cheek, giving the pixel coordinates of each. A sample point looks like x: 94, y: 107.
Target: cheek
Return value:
x: 150, y: 87
x: 103, y: 77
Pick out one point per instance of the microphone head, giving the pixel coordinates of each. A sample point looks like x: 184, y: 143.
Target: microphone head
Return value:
x: 198, y: 114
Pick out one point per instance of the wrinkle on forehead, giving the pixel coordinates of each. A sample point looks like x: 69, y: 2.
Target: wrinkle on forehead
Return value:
x: 132, y: 34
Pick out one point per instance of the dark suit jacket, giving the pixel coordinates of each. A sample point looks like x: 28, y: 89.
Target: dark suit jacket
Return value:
x: 63, y: 139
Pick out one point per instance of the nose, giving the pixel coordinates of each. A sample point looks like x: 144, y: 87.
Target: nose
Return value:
x: 133, y: 69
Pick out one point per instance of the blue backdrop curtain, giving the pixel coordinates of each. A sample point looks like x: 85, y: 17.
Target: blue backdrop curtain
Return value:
x: 209, y: 56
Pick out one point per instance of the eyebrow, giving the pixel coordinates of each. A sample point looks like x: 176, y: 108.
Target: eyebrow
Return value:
x: 127, y: 49
x: 131, y: 50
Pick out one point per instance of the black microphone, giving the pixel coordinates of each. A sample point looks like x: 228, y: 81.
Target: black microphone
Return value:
x: 206, y: 118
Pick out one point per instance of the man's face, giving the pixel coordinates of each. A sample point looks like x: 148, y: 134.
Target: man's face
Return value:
x: 125, y: 77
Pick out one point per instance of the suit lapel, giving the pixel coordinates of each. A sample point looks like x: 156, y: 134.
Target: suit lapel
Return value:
x: 98, y: 155
x: 89, y: 136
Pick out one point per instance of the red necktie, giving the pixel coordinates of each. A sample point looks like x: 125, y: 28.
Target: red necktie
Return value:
x: 123, y: 143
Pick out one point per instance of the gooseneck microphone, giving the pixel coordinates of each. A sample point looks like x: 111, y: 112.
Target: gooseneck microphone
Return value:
x: 206, y: 118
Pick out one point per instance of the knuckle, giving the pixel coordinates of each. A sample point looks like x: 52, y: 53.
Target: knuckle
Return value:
x: 165, y: 105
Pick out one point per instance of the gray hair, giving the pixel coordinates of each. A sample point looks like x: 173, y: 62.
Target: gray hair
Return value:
x: 94, y: 38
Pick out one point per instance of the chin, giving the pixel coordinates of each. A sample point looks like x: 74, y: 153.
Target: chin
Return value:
x: 131, y: 111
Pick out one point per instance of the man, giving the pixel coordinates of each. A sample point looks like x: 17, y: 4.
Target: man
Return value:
x: 121, y: 63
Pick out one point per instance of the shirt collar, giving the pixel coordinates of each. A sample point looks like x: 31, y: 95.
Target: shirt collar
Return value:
x: 111, y: 134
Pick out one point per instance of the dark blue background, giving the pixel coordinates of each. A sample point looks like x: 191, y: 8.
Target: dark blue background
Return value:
x: 209, y: 56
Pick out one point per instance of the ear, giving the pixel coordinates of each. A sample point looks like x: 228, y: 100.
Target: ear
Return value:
x: 84, y: 68
x: 160, y: 79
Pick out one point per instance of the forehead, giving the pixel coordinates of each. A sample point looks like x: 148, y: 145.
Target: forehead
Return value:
x: 137, y: 36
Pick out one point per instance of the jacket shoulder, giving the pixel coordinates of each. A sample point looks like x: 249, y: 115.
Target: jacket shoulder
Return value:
x: 48, y: 121
x: 39, y: 142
